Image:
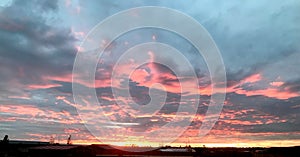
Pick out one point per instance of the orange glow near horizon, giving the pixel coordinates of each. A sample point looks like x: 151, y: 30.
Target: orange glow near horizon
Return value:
x: 263, y: 143
x: 238, y: 144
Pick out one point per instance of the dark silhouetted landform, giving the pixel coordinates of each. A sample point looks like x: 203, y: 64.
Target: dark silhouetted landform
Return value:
x: 45, y: 149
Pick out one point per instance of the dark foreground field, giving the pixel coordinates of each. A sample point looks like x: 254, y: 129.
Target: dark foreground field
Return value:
x: 44, y: 149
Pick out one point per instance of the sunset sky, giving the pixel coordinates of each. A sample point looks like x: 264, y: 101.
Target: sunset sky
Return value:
x: 258, y: 41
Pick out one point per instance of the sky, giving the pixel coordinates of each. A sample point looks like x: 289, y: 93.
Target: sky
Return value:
x: 258, y: 42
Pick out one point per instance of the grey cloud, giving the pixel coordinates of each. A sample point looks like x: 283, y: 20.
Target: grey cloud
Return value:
x: 31, y: 47
x: 292, y: 86
x: 262, y: 109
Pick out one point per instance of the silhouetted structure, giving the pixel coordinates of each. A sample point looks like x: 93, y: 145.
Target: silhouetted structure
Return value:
x: 52, y: 140
x: 45, y: 149
x: 5, y: 140
x: 69, y: 140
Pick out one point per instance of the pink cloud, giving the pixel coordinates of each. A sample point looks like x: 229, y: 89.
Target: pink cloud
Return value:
x: 271, y: 92
x: 145, y: 78
x: 21, y: 96
x: 20, y: 110
x: 276, y: 83
x: 233, y: 117
x: 32, y: 113
x: 252, y: 79
x: 42, y: 86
